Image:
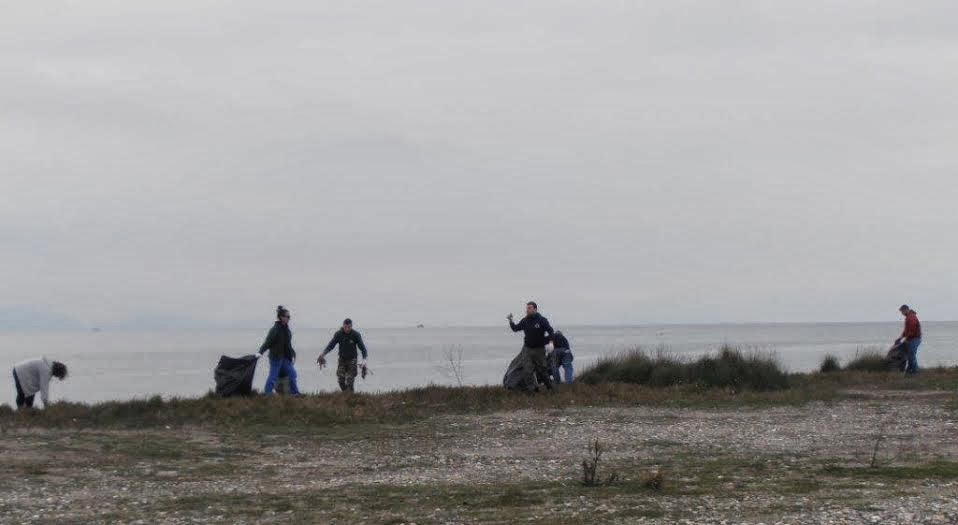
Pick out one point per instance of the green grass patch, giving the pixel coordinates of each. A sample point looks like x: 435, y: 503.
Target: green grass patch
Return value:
x: 933, y: 470
x: 729, y: 368
x: 147, y: 447
x: 507, y: 502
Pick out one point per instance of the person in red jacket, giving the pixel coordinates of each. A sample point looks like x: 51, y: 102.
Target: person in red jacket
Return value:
x: 910, y: 337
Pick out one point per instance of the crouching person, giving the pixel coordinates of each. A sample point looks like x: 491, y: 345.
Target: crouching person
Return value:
x: 563, y: 357
x: 33, y: 376
x: 348, y: 340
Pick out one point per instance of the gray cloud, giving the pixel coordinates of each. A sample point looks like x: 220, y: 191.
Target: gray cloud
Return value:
x: 620, y: 162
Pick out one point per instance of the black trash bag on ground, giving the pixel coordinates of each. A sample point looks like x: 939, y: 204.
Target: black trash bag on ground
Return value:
x: 521, y: 374
x: 897, y: 357
x: 234, y: 375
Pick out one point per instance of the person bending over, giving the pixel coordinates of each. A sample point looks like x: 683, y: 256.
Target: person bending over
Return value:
x: 33, y: 376
x: 563, y: 357
x: 910, y: 337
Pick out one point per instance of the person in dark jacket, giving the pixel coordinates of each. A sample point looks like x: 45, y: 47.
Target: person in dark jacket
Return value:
x: 348, y: 340
x: 562, y: 351
x: 910, y: 337
x: 538, y: 333
x: 279, y: 342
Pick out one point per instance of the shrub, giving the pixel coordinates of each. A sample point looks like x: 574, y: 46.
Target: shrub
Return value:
x: 654, y: 480
x: 730, y: 368
x: 590, y: 467
x: 829, y: 364
x: 868, y: 360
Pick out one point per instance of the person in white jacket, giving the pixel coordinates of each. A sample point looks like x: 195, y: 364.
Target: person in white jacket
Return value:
x: 32, y: 376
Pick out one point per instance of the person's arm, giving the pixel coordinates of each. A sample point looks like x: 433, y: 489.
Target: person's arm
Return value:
x: 45, y: 387
x: 521, y: 325
x: 270, y: 339
x: 361, y: 345
x: 332, y: 344
x: 547, y: 329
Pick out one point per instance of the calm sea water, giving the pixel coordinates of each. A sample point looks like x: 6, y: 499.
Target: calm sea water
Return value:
x: 121, y: 365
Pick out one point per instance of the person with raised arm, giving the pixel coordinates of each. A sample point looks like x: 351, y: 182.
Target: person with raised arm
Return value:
x: 537, y: 334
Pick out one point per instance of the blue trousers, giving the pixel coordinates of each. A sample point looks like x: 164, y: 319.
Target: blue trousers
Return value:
x: 275, y: 367
x: 564, y: 361
x: 913, y: 345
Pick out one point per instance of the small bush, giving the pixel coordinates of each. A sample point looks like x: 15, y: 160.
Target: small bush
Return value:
x: 829, y: 364
x: 868, y: 360
x: 654, y: 481
x: 590, y: 467
x: 730, y: 368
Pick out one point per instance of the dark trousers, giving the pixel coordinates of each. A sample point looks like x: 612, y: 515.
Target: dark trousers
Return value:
x: 538, y: 358
x: 22, y: 400
x: 346, y: 373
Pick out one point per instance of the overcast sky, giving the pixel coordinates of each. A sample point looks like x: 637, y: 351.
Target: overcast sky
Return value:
x: 443, y: 162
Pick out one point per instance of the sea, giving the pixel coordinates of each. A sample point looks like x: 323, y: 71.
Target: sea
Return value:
x: 127, y: 364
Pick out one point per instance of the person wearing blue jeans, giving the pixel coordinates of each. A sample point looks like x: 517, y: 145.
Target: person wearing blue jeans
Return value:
x: 911, y: 337
x: 279, y: 342
x: 913, y: 345
x: 563, y: 357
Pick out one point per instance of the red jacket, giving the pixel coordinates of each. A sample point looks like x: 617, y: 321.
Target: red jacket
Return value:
x: 912, y: 326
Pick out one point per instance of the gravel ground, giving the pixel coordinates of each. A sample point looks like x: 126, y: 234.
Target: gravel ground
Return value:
x: 722, y: 466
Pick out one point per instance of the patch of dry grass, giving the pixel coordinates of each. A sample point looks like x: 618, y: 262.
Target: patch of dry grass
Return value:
x: 393, y: 407
x: 333, y: 409
x: 870, y: 359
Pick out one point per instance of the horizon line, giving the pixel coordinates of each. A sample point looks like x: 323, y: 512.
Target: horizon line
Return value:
x: 240, y: 326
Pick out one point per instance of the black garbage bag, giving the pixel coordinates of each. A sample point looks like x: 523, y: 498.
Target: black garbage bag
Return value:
x: 897, y: 357
x: 234, y: 375
x: 521, y: 374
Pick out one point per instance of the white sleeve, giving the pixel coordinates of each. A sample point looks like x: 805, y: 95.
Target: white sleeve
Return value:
x: 45, y: 387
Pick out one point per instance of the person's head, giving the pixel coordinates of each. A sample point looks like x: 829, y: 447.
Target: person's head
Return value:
x: 904, y: 309
x: 532, y: 308
x: 282, y: 314
x: 348, y: 325
x: 59, y: 370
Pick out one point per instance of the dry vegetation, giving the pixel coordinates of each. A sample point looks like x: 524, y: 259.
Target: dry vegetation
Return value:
x: 823, y: 448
